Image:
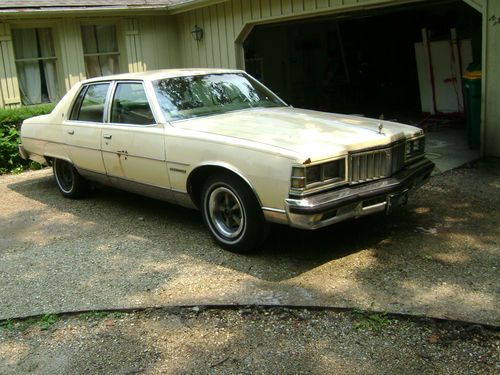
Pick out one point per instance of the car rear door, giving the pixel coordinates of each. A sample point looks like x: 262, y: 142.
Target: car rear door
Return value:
x: 82, y: 129
x: 132, y: 141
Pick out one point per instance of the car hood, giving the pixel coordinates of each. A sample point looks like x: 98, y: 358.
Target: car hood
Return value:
x: 310, y: 134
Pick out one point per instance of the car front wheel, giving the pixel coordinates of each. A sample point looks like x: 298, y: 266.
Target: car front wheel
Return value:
x: 69, y: 181
x: 232, y: 214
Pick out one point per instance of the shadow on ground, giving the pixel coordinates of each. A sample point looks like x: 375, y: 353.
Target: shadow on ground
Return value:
x: 438, y: 257
x: 150, y: 220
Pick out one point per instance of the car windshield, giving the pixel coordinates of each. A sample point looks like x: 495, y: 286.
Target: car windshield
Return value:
x: 203, y: 95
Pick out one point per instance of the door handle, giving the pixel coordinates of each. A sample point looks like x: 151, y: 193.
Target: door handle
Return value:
x: 107, y: 136
x: 71, y: 132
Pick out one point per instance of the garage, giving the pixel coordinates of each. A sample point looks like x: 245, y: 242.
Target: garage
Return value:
x: 401, y: 63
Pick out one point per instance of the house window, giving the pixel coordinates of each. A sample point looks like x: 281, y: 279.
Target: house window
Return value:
x: 36, y: 65
x: 100, y: 50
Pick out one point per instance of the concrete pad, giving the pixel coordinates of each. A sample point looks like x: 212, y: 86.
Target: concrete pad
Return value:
x: 448, y: 149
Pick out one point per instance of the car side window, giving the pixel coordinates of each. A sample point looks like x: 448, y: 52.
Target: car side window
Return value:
x: 130, y: 105
x: 89, y: 105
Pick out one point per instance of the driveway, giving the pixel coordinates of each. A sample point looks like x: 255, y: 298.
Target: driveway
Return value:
x: 439, y: 257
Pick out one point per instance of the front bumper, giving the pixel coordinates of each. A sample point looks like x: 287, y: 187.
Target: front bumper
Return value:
x: 355, y: 201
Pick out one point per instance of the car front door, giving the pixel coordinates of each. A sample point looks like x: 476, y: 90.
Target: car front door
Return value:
x: 82, y: 129
x: 132, y: 142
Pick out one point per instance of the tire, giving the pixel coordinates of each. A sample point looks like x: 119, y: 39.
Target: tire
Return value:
x: 232, y: 214
x: 70, y: 183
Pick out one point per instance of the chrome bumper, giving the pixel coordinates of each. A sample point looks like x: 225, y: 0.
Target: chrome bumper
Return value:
x: 23, y: 152
x: 352, y: 202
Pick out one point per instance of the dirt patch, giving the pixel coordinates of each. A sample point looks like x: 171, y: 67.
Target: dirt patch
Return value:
x: 247, y: 341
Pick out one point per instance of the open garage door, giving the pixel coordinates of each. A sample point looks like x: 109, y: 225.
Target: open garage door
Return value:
x: 404, y: 64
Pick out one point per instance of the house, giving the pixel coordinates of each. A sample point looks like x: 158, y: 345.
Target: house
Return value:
x: 355, y: 56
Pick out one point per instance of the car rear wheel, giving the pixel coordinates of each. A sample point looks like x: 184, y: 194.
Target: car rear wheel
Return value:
x: 232, y: 214
x: 69, y: 181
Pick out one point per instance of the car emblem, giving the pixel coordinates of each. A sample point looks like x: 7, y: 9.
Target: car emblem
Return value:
x: 380, y: 128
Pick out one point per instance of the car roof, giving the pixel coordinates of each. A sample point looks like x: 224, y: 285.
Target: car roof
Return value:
x: 154, y: 75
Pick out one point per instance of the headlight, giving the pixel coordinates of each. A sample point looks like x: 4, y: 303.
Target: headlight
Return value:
x: 318, y: 175
x: 414, y: 148
x: 334, y: 170
x: 313, y: 174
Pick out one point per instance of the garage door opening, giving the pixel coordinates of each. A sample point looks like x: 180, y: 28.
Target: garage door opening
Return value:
x: 403, y: 64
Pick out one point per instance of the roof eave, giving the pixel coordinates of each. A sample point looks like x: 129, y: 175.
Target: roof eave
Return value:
x: 107, y: 10
x: 191, y: 5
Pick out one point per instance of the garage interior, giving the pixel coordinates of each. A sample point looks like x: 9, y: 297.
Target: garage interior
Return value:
x: 401, y: 63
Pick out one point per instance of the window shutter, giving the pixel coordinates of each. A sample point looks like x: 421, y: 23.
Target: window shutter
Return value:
x: 9, y: 86
x: 134, y: 46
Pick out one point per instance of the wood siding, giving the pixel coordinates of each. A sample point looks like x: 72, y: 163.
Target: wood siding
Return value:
x: 145, y: 43
x: 225, y: 25
x: 160, y: 47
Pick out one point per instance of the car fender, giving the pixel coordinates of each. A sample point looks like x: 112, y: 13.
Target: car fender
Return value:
x: 50, y: 155
x: 226, y: 166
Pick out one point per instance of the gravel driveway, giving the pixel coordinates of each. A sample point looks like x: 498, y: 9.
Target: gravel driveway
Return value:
x: 439, y: 257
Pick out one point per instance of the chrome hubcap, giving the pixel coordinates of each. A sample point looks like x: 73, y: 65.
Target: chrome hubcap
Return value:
x: 226, y: 212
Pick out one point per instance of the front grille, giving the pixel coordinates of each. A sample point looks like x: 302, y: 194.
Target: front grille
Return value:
x: 375, y: 164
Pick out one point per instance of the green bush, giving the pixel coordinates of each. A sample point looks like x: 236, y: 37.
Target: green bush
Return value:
x: 10, y: 124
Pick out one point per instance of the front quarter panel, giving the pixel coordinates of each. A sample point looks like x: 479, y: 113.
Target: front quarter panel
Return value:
x: 267, y: 174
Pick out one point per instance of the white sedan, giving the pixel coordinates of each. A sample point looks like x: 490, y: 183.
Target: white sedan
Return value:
x: 221, y: 142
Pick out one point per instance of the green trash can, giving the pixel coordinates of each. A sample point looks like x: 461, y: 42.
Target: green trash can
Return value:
x: 472, y: 90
